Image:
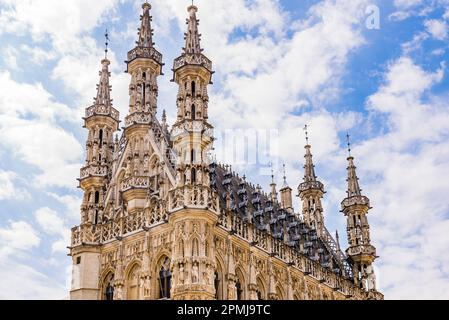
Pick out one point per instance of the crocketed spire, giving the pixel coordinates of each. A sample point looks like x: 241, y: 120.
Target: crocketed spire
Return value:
x: 353, y: 180
x: 103, y: 88
x: 145, y: 32
x: 309, y: 168
x: 192, y: 36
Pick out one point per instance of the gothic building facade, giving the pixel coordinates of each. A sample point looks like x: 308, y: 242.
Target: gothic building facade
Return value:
x: 160, y: 220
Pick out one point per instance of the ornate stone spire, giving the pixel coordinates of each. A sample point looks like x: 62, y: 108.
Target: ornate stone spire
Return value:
x: 145, y: 32
x: 309, y: 167
x: 353, y: 180
x: 310, y: 179
x: 192, y: 36
x: 144, y: 48
x: 103, y: 88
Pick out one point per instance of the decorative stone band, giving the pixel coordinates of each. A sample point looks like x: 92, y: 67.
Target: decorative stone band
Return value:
x: 138, y: 118
x: 315, y: 185
x: 195, y: 197
x: 368, y: 250
x: 102, y: 110
x: 123, y: 225
x: 198, y: 59
x: 143, y: 52
x: 355, y: 200
x: 93, y: 171
x: 193, y: 126
x: 136, y: 183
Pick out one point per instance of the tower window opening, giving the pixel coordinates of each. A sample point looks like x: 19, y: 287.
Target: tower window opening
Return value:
x: 193, y: 175
x: 97, y: 197
x: 192, y: 156
x: 101, y: 137
x: 193, y: 112
x: 144, y: 75
x: 193, y: 88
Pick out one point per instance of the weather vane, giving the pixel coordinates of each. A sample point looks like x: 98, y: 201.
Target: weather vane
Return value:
x: 106, y: 35
x: 349, y: 143
x: 306, y: 127
x: 285, y: 175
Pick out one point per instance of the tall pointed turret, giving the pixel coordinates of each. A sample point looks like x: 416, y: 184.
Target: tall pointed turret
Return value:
x: 192, y: 137
x: 101, y: 120
x: 311, y: 192
x: 355, y: 207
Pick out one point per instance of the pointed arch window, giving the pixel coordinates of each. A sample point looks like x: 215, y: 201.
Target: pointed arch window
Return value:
x: 101, y: 137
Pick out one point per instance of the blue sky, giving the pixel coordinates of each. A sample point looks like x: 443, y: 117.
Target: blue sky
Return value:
x: 279, y: 65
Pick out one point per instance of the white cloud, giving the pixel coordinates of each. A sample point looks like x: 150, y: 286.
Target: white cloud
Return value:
x: 52, y: 224
x: 23, y: 282
x: 10, y: 57
x: 19, y: 236
x: 409, y: 196
x: 437, y: 28
x: 8, y: 187
x: 38, y: 55
x: 32, y: 142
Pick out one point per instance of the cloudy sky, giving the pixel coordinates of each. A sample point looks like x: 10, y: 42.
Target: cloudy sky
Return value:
x: 280, y: 64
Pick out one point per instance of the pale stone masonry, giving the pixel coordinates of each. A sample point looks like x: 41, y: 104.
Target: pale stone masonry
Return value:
x: 160, y: 220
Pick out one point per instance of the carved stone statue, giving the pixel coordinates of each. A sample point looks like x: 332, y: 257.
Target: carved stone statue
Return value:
x: 195, y: 273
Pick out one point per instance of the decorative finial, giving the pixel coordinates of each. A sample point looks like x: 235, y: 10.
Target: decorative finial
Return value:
x: 349, y: 143
x: 272, y: 172
x: 285, y: 175
x: 306, y: 128
x: 106, y: 35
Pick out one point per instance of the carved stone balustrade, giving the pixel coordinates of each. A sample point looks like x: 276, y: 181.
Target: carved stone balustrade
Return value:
x: 195, y: 197
x: 93, y: 171
x: 192, y: 59
x: 102, y: 110
x: 138, y: 118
